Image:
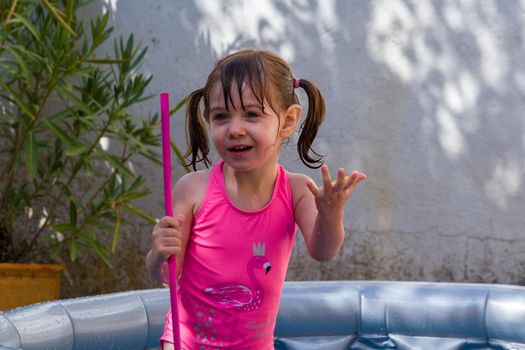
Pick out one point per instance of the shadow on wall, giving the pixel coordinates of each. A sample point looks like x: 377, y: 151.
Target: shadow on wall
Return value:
x: 463, y: 64
x: 434, y: 116
x: 462, y: 160
x: 424, y: 97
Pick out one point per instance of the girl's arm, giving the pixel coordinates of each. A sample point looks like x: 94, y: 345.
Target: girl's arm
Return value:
x: 319, y: 211
x: 170, y: 235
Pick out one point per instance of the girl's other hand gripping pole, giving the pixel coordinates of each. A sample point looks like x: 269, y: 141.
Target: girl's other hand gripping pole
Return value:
x: 166, y: 164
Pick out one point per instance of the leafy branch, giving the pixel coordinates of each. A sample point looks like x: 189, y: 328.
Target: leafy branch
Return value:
x: 68, y: 133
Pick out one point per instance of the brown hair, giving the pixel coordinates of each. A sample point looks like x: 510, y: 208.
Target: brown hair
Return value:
x: 269, y: 77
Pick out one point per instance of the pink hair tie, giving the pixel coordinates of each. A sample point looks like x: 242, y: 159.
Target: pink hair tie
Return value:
x: 296, y: 82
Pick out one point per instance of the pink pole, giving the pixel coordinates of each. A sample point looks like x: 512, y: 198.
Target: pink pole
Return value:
x: 166, y: 164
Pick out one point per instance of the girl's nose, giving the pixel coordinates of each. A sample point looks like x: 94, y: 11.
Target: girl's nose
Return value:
x: 236, y: 128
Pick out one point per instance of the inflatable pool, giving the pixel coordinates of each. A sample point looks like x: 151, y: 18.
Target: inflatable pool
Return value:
x: 313, y: 315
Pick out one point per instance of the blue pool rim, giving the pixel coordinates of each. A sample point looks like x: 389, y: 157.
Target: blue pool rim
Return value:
x: 312, y: 315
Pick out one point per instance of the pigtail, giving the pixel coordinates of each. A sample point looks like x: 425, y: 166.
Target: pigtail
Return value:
x: 310, y: 126
x: 196, y: 134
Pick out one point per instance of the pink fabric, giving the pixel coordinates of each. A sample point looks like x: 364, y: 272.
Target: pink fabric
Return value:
x: 229, y: 295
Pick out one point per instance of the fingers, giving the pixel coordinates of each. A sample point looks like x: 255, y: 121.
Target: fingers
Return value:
x: 167, y: 242
x: 313, y: 188
x: 167, y: 236
x: 353, y: 180
x: 341, y: 182
x: 171, y: 221
x: 344, y: 183
x: 327, y: 183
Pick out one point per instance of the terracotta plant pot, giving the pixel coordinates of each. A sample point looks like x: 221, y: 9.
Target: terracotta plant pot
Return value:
x: 25, y: 284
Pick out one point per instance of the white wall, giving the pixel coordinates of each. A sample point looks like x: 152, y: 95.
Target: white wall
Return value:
x: 425, y: 97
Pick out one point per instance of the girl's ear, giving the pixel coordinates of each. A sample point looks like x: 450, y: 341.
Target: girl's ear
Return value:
x: 290, y: 119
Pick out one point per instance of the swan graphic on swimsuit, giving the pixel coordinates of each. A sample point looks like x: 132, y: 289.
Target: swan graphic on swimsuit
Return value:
x: 234, y: 297
x: 239, y: 296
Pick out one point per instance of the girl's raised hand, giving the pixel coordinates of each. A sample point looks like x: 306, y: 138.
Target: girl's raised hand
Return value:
x: 332, y: 195
x: 166, y: 236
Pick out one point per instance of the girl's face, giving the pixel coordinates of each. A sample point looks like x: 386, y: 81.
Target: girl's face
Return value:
x: 246, y: 139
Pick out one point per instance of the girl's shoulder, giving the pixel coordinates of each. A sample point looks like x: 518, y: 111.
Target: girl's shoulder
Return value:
x: 298, y: 186
x: 192, y: 187
x: 194, y: 178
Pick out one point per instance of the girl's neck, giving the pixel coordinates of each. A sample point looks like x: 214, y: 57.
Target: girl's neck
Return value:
x: 250, y: 190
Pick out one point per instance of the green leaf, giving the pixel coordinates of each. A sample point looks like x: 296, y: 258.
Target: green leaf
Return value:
x: 155, y: 158
x: 27, y: 24
x: 31, y: 155
x: 150, y: 219
x: 103, y: 226
x: 180, y: 156
x: 125, y: 135
x: 8, y: 131
x: 112, y: 184
x: 139, y: 181
x: 63, y: 228
x: 32, y: 58
x: 19, y: 100
x: 178, y: 106
x: 133, y: 195
x: 55, y: 118
x: 72, y: 212
x: 58, y: 16
x: 76, y: 150
x: 76, y: 101
x: 116, y: 232
x: 73, y: 249
x: 99, y: 248
x: 116, y: 162
x: 21, y: 63
x: 99, y: 34
x: 74, y: 147
x: 64, y: 188
x: 139, y: 58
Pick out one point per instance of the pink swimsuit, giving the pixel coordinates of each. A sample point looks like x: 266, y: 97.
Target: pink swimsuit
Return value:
x: 234, y: 270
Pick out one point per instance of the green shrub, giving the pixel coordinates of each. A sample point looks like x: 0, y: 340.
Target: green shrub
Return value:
x: 62, y: 186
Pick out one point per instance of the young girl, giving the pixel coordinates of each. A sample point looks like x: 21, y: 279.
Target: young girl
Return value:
x: 234, y: 225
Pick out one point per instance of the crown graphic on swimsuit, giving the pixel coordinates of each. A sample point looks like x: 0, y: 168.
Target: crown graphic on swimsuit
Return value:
x: 258, y: 249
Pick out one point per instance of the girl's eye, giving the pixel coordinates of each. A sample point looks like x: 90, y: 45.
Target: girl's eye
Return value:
x: 219, y: 116
x: 252, y: 114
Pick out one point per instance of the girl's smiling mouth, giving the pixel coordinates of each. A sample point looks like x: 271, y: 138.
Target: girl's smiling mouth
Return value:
x: 240, y: 149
